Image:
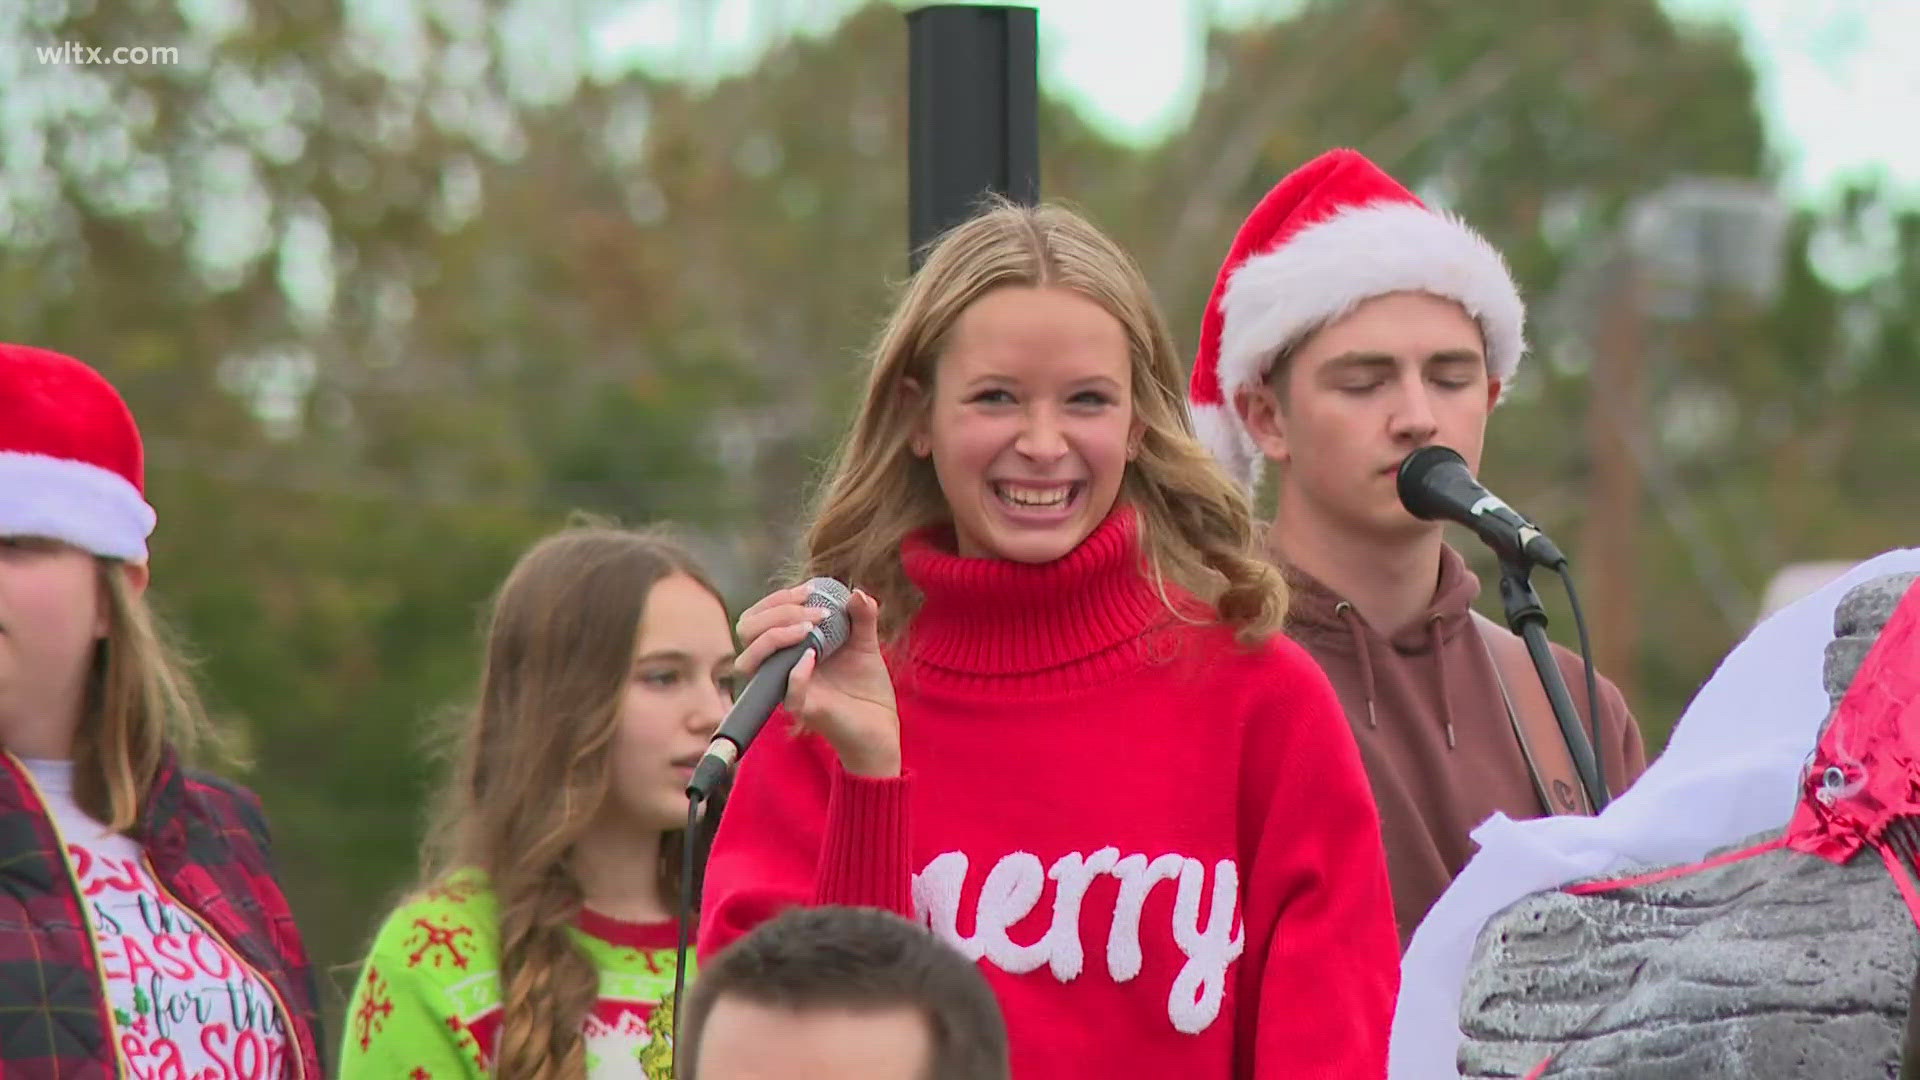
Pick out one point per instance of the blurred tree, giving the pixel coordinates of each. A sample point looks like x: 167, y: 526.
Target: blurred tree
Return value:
x: 1544, y: 125
x: 362, y: 394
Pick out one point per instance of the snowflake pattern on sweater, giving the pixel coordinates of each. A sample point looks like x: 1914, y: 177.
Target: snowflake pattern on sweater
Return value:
x: 427, y: 1004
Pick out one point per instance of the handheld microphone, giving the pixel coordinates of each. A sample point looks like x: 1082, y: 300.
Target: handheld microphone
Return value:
x: 768, y: 687
x: 1436, y: 485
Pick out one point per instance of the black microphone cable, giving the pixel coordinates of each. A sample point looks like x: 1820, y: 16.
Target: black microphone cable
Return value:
x: 687, y: 840
x: 1593, y: 693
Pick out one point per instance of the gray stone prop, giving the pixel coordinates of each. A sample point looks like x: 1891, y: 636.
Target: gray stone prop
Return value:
x: 1777, y: 965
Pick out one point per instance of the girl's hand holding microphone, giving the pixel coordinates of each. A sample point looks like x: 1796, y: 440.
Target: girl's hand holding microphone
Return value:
x: 848, y: 699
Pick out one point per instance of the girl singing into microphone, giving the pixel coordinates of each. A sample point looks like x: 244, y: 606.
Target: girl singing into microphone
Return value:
x: 142, y: 931
x: 1065, y: 733
x: 542, y: 943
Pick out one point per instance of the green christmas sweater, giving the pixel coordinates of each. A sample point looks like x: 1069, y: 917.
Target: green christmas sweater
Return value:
x: 427, y: 1004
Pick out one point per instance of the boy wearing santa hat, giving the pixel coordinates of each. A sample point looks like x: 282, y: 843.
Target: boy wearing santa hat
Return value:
x: 1349, y: 326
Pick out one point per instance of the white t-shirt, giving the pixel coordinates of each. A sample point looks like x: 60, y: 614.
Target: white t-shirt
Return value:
x: 185, y: 1007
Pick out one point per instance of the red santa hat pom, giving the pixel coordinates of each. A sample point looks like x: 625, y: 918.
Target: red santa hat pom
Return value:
x: 1334, y: 233
x: 71, y: 464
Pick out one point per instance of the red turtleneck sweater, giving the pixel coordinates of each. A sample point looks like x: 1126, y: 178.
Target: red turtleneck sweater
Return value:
x: 1158, y: 845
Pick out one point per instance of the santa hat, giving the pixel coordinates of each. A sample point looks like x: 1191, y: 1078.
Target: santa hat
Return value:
x: 1334, y: 233
x: 71, y: 464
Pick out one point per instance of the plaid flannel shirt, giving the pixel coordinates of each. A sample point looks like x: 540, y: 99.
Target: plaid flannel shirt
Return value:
x: 207, y: 840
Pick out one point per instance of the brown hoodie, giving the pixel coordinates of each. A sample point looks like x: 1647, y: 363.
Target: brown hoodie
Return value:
x: 1433, y: 729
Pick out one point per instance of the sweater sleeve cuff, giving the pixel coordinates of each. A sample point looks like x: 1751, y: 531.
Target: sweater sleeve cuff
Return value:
x: 864, y: 860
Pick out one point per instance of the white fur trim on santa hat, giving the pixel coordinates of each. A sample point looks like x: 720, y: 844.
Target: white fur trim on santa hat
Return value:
x: 1276, y: 298
x: 92, y: 508
x: 1219, y: 429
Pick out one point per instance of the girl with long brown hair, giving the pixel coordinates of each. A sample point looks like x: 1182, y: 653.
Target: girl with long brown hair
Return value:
x: 541, y: 943
x: 142, y: 931
x: 1064, y: 732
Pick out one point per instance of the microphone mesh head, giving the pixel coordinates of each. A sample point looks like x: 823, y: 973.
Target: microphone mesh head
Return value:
x: 1412, y: 480
x: 832, y: 632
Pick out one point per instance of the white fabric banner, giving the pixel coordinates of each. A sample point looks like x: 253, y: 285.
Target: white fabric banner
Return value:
x: 1731, y: 769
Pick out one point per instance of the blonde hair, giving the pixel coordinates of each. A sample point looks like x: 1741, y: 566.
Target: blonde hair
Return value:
x: 140, y: 700
x: 533, y: 770
x: 1196, y: 526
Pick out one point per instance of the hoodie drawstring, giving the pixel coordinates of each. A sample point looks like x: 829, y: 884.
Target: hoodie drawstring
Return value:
x: 1352, y: 619
x: 1440, y: 669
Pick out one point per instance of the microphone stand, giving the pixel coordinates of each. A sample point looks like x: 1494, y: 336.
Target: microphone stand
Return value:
x: 1527, y: 618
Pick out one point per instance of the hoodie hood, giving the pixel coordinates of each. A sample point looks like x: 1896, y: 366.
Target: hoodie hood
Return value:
x: 1317, y: 610
x: 1329, y: 625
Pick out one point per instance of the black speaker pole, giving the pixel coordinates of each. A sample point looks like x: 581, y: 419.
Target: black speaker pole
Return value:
x: 973, y: 111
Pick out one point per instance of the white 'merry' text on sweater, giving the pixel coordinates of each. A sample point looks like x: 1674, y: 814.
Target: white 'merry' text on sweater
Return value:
x: 1015, y: 883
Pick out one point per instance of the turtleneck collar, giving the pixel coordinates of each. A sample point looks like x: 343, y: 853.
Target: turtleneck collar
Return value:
x: 1032, y: 627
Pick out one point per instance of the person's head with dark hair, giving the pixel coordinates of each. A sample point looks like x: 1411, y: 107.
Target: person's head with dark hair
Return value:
x: 847, y: 993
